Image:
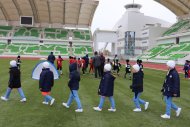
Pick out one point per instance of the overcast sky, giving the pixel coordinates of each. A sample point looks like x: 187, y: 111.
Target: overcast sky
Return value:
x: 110, y: 11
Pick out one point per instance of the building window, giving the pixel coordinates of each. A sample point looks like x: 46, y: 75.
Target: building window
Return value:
x: 144, y: 33
x: 144, y: 42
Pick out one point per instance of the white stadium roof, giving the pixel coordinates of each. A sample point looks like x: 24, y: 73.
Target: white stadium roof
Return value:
x: 65, y: 12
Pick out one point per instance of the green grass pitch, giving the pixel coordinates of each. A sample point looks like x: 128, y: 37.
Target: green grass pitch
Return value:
x: 34, y: 114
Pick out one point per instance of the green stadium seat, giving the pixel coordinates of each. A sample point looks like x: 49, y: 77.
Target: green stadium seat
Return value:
x: 62, y: 35
x: 20, y: 32
x: 62, y: 49
x: 3, y: 33
x: 50, y: 36
x: 8, y: 28
x: 4, y: 30
x: 34, y: 33
x: 2, y: 46
x: 79, y: 50
x: 31, y: 49
x: 176, y: 27
x: 87, y: 37
x: 172, y: 49
x: 81, y: 35
x: 13, y: 49
x: 49, y: 30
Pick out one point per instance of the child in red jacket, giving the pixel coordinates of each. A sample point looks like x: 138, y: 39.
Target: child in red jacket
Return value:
x: 91, y: 66
x: 59, y: 64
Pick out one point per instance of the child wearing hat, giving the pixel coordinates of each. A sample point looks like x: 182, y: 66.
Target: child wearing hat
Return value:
x: 171, y: 88
x: 46, y: 83
x: 137, y: 88
x: 74, y: 87
x: 14, y: 82
x: 106, y: 89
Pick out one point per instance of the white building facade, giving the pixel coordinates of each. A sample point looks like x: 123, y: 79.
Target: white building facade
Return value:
x: 146, y: 29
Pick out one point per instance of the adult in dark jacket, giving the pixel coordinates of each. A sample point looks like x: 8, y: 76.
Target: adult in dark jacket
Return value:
x: 74, y: 79
x: 171, y: 88
x: 102, y: 58
x: 46, y: 83
x: 97, y: 64
x: 86, y: 58
x: 106, y: 89
x: 51, y: 58
x: 137, y: 88
x: 14, y: 82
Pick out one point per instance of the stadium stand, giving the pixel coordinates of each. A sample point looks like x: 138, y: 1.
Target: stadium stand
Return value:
x: 49, y: 33
x: 168, y: 51
x: 4, y: 30
x: 42, y: 50
x: 82, y: 35
x: 178, y: 27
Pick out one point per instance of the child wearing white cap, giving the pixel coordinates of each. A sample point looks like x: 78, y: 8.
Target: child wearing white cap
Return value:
x: 137, y: 88
x: 106, y: 89
x: 170, y: 89
x: 46, y: 83
x: 14, y: 82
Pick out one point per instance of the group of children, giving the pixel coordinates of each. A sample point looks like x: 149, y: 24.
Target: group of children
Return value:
x: 171, y: 87
x: 82, y: 64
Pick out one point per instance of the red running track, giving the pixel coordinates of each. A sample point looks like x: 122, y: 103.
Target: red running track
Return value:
x: 158, y: 66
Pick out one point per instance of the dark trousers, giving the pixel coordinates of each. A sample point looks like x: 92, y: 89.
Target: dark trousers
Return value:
x: 102, y: 69
x: 186, y: 74
x: 83, y: 70
x: 97, y: 71
x: 129, y: 73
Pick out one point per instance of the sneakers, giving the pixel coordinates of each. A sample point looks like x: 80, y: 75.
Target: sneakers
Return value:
x: 4, y: 98
x: 137, y: 110
x: 112, y: 110
x: 79, y: 110
x: 52, y: 101
x: 45, y: 103
x: 165, y: 116
x: 97, y: 109
x: 65, y: 105
x: 178, y: 112
x: 146, y: 105
x: 23, y: 100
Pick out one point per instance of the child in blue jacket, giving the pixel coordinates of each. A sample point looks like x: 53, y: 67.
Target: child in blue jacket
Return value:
x: 74, y: 87
x: 14, y: 82
x: 137, y: 88
x: 106, y: 89
x: 171, y: 88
